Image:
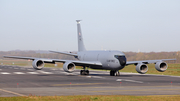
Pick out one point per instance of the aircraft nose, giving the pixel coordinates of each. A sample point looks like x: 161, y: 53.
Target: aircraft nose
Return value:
x: 122, y: 60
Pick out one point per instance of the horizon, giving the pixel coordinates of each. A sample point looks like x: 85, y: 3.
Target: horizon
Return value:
x: 88, y: 50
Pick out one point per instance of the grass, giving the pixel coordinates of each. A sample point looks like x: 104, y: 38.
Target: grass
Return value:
x: 94, y: 98
x: 173, y: 69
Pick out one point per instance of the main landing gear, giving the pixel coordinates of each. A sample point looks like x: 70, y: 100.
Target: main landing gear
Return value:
x: 84, y: 72
x: 114, y: 73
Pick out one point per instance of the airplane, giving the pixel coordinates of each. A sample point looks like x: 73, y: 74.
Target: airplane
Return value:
x: 105, y: 60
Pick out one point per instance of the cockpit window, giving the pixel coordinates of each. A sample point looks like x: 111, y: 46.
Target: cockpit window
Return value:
x: 118, y: 56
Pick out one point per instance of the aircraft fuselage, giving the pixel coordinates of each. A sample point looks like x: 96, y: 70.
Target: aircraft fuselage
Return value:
x: 110, y: 60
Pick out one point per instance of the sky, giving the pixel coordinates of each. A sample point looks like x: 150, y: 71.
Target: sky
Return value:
x: 124, y: 25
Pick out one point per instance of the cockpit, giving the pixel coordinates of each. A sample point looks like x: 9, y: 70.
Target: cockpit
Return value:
x: 121, y: 58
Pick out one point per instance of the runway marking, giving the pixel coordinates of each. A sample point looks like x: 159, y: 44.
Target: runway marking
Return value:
x: 128, y: 80
x: 60, y: 69
x: 136, y: 90
x: 32, y: 72
x: 98, y: 77
x: 47, y: 72
x: 54, y: 69
x: 16, y: 68
x: 30, y: 69
x: 88, y: 76
x: 19, y: 73
x: 22, y: 68
x: 4, y: 73
x: 12, y: 92
x: 64, y: 72
x: 69, y: 73
x: 98, y: 73
x: 134, y: 81
x: 77, y: 84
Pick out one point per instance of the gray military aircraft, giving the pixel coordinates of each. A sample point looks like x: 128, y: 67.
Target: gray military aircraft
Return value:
x: 107, y: 60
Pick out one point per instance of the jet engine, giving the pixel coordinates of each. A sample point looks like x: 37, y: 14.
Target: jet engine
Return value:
x: 141, y: 68
x: 38, y: 64
x: 69, y: 67
x: 161, y: 66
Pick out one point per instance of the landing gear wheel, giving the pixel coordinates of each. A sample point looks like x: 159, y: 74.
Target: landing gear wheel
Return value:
x: 117, y: 73
x: 114, y: 73
x: 81, y: 72
x: 87, y: 72
x: 84, y: 72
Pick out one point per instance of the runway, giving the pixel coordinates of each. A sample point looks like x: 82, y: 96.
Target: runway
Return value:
x: 25, y: 81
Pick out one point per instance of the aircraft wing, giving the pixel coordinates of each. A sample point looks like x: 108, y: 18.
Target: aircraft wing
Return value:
x: 77, y: 63
x: 19, y: 57
x: 29, y: 58
x: 147, y: 61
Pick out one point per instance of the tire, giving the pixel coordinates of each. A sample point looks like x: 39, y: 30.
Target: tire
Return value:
x: 87, y: 72
x: 81, y: 72
x: 112, y: 73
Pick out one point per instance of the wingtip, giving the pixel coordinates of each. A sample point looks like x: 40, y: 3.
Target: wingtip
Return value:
x: 5, y: 56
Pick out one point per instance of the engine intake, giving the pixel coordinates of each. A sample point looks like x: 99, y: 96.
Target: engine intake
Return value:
x: 161, y: 66
x: 142, y: 68
x: 69, y: 67
x: 38, y: 64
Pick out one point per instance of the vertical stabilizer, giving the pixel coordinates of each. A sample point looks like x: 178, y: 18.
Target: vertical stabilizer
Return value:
x: 80, y: 38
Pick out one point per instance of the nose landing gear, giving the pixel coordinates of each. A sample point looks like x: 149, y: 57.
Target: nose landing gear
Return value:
x: 114, y: 73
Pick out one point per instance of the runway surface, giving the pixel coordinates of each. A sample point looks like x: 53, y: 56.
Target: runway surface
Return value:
x: 24, y: 81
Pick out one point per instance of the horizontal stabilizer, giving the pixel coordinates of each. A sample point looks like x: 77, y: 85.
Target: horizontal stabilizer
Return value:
x: 64, y: 53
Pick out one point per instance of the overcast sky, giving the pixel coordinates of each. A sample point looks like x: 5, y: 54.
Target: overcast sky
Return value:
x: 124, y: 25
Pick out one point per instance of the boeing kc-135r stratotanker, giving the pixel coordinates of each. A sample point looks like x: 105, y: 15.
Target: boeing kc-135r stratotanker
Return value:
x: 107, y: 60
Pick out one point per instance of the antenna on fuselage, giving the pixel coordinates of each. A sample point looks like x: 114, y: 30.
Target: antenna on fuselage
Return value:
x: 81, y: 46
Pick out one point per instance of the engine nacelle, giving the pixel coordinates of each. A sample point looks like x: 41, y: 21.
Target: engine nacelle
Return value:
x: 161, y: 66
x: 69, y: 67
x: 38, y: 64
x: 142, y: 68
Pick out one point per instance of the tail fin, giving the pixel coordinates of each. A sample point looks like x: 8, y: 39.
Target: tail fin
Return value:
x: 80, y: 38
